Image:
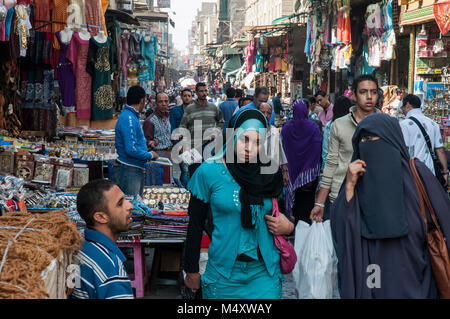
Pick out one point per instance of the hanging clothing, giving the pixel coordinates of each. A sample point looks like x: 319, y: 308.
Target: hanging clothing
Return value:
x: 59, y: 14
x: 251, y: 55
x: 94, y: 16
x: 135, y: 47
x: 78, y: 55
x: 42, y: 12
x: 149, y: 49
x: 100, y: 66
x: 66, y: 78
x: 125, y: 54
x: 23, y: 26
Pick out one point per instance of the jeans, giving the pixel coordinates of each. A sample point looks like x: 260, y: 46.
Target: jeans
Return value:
x: 130, y: 179
x: 184, y: 176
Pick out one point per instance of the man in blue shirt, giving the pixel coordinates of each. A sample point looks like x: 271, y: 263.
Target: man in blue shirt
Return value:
x: 129, y: 169
x: 229, y: 106
x: 107, y: 213
x: 176, y: 114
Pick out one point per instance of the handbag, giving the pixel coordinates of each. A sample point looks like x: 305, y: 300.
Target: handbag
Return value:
x: 436, y: 163
x: 288, y: 257
x: 437, y: 248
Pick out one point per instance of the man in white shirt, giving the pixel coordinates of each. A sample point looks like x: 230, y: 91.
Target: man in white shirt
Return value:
x: 414, y: 139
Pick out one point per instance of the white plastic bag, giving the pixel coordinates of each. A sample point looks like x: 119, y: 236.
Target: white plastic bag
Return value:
x: 315, y: 273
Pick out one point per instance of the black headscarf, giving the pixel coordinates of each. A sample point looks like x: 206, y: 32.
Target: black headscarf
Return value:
x: 380, y: 190
x: 255, y: 186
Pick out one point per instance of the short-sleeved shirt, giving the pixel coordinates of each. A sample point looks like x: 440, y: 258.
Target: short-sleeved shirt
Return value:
x: 102, y: 273
x: 414, y: 139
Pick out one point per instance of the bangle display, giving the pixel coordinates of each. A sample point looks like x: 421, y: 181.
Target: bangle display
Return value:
x: 320, y: 205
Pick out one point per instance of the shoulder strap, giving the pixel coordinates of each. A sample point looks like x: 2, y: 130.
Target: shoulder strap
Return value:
x: 424, y: 133
x: 423, y: 196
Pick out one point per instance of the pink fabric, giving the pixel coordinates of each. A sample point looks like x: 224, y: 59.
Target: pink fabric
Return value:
x: 78, y: 54
x: 326, y: 115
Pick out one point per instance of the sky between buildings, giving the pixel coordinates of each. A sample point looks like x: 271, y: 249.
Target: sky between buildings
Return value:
x: 185, y: 13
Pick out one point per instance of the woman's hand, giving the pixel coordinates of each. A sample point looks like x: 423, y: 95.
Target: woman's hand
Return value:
x: 192, y: 280
x: 355, y: 170
x: 280, y: 225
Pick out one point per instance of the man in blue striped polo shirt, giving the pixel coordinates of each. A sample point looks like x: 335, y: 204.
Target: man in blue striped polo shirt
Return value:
x: 107, y: 213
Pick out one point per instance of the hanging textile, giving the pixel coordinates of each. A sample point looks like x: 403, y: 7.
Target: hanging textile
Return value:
x: 59, y: 14
x: 442, y: 16
x: 78, y: 55
x: 100, y: 67
x: 66, y: 78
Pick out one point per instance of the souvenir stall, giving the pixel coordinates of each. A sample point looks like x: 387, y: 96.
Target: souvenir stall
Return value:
x: 430, y: 61
x: 267, y: 56
x: 345, y: 40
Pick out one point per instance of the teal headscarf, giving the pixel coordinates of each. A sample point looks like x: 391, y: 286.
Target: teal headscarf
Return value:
x: 255, y: 186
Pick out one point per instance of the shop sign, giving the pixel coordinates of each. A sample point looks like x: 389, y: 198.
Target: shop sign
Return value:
x: 442, y: 16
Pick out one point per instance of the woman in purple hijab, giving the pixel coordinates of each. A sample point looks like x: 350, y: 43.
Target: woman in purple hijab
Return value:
x: 302, y: 142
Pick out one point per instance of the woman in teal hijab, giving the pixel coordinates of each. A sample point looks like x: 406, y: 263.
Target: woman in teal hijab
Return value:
x: 243, y: 261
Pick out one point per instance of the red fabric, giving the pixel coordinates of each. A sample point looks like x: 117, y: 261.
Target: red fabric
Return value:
x: 442, y: 16
x: 205, y: 242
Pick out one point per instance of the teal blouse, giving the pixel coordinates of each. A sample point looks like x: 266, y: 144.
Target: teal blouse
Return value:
x: 212, y: 183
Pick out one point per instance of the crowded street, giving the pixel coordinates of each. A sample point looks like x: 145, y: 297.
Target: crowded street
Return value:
x: 224, y: 149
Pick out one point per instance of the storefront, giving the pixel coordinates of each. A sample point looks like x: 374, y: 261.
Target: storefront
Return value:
x: 430, y: 60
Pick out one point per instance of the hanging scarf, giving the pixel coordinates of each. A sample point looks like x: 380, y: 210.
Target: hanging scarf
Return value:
x: 254, y: 185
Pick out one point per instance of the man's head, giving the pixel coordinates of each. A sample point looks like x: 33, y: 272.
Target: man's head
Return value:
x: 136, y: 97
x: 266, y: 109
x: 162, y: 102
x: 322, y: 99
x: 365, y: 88
x: 245, y: 100
x: 239, y: 93
x: 103, y: 207
x: 311, y: 102
x: 231, y: 93
x: 186, y: 96
x: 279, y: 94
x: 261, y: 95
x: 202, y: 91
x: 410, y: 102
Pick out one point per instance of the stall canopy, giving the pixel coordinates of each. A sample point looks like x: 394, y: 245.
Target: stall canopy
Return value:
x: 232, y: 64
x: 248, y: 79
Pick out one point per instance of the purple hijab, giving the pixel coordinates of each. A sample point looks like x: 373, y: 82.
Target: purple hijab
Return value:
x: 302, y: 144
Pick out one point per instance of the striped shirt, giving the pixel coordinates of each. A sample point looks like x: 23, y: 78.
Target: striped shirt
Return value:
x: 102, y: 273
x: 210, y: 117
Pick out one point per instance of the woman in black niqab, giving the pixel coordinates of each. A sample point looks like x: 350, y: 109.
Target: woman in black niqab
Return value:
x: 379, y: 233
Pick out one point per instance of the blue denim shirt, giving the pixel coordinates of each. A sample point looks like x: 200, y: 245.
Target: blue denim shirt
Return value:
x: 176, y: 114
x: 213, y: 184
x: 227, y: 107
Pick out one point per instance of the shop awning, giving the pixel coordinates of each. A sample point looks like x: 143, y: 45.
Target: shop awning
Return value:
x: 265, y: 28
x: 122, y: 16
x: 232, y: 64
x: 235, y: 72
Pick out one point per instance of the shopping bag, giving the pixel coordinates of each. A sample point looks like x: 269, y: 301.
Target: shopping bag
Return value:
x: 315, y: 274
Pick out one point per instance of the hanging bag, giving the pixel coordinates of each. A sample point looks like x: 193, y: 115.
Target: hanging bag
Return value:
x: 288, y: 257
x: 437, y: 247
